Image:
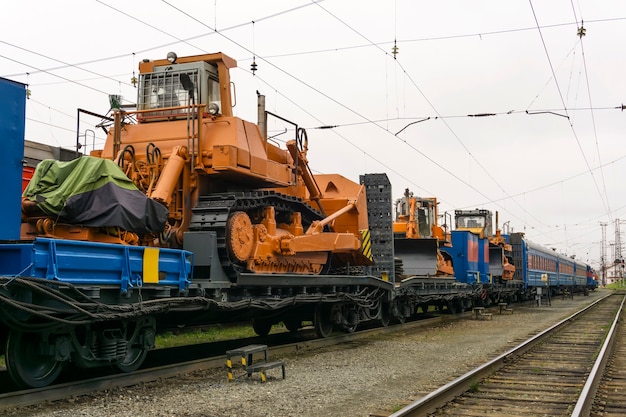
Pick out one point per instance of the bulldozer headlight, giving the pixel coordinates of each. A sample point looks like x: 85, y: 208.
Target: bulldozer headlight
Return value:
x: 214, y: 109
x: 171, y: 56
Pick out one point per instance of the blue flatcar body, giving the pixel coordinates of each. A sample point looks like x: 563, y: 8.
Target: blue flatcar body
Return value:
x: 97, y: 264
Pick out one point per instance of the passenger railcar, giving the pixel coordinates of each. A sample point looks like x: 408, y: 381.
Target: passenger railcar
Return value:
x: 540, y: 267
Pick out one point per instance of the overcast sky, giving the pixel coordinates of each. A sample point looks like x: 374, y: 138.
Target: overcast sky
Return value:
x: 498, y: 104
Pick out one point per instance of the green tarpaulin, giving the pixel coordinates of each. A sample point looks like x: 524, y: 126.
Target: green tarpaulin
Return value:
x: 93, y: 192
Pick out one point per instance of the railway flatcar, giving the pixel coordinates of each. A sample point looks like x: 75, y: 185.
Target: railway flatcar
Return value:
x: 187, y: 215
x: 479, y: 222
x: 190, y: 215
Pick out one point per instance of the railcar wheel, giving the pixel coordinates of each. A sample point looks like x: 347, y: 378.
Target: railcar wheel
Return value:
x: 293, y: 325
x: 133, y: 360
x: 397, y: 311
x: 261, y: 327
x: 351, y: 320
x: 453, y: 307
x: 385, y: 315
x: 321, y: 321
x: 27, y: 366
x: 349, y: 328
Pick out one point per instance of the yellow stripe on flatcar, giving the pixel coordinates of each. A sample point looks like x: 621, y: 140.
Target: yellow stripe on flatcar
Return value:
x: 366, y: 244
x: 151, y: 265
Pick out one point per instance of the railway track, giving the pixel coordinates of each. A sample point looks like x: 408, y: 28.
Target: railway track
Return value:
x: 608, y: 400
x: 544, y: 376
x: 279, y: 344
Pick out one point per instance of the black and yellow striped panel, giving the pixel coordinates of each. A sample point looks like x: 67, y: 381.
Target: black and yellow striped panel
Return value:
x: 366, y: 244
x: 229, y: 366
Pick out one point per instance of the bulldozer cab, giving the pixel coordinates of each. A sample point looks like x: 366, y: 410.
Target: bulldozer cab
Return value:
x: 476, y: 221
x: 416, y: 217
x: 479, y: 222
x: 178, y: 84
x: 417, y: 238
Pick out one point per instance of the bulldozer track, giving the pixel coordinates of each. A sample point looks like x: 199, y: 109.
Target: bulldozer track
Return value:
x: 212, y: 214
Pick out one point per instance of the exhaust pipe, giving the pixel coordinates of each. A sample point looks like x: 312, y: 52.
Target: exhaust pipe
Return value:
x: 262, y: 118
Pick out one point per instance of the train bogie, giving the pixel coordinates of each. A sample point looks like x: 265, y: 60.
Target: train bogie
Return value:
x: 91, y: 304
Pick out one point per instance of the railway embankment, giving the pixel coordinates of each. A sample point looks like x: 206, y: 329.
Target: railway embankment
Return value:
x: 352, y: 379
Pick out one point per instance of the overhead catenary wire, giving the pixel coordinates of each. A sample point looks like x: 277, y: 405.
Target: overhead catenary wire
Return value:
x: 593, y: 123
x: 582, y: 31
x: 392, y: 130
x: 602, y: 197
x: 454, y: 134
x: 420, y: 151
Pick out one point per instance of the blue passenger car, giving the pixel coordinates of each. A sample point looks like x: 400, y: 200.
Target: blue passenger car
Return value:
x: 538, y: 267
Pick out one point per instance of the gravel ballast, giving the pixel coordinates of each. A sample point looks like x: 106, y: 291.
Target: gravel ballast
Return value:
x: 377, y: 374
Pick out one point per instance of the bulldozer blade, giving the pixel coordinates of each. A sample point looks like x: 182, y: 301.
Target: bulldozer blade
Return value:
x: 495, y: 261
x: 418, y: 256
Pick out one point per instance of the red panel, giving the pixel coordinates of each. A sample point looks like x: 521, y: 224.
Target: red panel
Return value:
x: 486, y: 251
x: 27, y: 174
x: 472, y: 249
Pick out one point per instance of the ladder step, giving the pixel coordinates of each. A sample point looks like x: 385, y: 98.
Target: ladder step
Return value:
x: 485, y: 316
x: 261, y: 367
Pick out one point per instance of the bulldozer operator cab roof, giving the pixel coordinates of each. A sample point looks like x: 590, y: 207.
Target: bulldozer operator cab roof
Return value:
x: 177, y: 85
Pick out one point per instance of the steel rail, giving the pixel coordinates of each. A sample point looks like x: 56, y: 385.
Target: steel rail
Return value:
x: 453, y: 389
x: 83, y: 387
x: 588, y: 393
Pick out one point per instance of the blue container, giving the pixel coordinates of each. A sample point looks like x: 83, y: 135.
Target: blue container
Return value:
x: 12, y: 125
x: 464, y: 254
